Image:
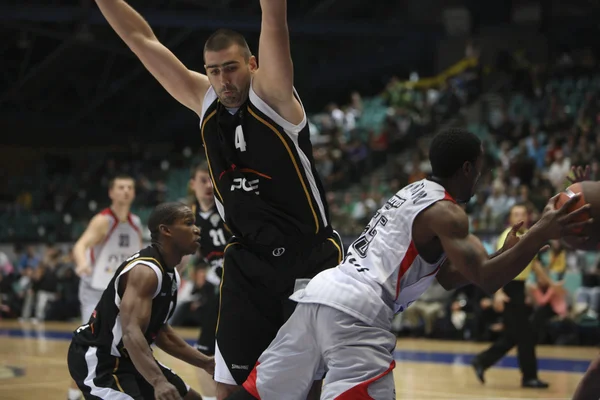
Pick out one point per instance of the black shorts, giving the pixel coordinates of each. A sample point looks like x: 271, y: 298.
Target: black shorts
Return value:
x: 103, y: 376
x: 255, y: 290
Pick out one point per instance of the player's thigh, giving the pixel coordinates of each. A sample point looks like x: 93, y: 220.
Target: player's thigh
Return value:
x: 96, y: 375
x: 287, y: 368
x: 358, y: 356
x: 248, y: 320
x: 88, y: 299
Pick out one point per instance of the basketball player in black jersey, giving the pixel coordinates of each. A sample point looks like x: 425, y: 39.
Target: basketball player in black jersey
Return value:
x: 256, y: 141
x: 110, y: 356
x: 214, y: 235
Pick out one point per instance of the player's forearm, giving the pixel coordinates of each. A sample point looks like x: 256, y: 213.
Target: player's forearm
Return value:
x: 79, y: 254
x: 274, y: 13
x: 503, y: 268
x: 124, y: 19
x: 169, y: 342
x: 141, y: 355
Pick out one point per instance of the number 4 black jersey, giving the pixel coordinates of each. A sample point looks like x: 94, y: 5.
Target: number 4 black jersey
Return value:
x: 266, y: 186
x: 104, y: 329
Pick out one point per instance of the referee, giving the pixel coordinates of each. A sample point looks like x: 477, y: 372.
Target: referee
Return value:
x: 518, y: 329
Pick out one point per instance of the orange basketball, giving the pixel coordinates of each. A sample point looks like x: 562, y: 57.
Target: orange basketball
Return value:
x: 590, y: 193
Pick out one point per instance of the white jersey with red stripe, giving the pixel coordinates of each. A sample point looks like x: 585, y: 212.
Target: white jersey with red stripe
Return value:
x: 382, y: 273
x: 122, y: 240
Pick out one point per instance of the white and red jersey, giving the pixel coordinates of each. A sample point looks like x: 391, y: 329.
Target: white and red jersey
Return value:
x: 382, y: 272
x: 122, y: 240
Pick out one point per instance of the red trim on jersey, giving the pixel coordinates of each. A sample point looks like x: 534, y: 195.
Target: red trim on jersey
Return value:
x: 110, y: 212
x: 134, y: 226
x: 361, y: 391
x: 409, y: 258
x: 214, y: 254
x: 250, y: 383
x: 448, y: 197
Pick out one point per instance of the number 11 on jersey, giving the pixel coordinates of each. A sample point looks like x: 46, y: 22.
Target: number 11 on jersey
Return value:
x: 240, y: 141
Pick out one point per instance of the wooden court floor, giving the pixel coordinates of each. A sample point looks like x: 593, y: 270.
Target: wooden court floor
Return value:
x: 33, y: 366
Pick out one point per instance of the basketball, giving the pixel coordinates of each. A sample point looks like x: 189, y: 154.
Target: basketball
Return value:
x: 590, y: 193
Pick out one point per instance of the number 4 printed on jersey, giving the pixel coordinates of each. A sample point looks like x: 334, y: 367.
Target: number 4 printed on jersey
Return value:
x: 240, y: 141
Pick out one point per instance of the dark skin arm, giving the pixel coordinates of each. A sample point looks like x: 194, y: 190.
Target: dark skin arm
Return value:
x: 450, y: 277
x: 450, y: 224
x: 136, y: 307
x: 172, y: 344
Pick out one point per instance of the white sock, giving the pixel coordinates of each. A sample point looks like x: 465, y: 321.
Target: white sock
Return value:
x: 208, y: 398
x: 74, y: 394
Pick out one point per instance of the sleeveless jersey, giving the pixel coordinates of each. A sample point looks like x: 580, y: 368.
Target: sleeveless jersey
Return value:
x: 213, y: 238
x: 266, y: 186
x: 121, y: 241
x: 382, y: 273
x: 104, y: 329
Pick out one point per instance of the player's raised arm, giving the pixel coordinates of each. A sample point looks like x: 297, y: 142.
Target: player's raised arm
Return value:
x: 136, y: 309
x: 274, y: 79
x: 187, y: 87
x: 92, y: 236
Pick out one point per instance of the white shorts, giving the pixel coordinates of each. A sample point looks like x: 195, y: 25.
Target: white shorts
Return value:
x: 88, y: 300
x: 357, y: 358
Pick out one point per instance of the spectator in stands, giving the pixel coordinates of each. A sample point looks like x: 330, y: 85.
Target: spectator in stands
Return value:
x: 560, y: 167
x: 191, y: 312
x: 428, y: 308
x: 557, y: 264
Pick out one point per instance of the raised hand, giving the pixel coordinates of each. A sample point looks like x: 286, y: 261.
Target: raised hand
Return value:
x: 580, y: 174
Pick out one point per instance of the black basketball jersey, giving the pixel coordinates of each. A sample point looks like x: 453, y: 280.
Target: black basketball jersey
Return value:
x: 104, y: 329
x: 266, y: 186
x: 213, y: 233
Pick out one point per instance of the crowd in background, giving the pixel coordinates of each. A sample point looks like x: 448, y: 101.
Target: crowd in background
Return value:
x: 541, y: 123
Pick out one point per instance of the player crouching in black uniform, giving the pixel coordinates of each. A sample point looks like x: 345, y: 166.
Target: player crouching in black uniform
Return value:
x: 110, y: 356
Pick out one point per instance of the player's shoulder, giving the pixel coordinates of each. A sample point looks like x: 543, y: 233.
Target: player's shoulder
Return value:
x: 135, y: 219
x: 445, y: 216
x: 104, y: 218
x: 147, y: 255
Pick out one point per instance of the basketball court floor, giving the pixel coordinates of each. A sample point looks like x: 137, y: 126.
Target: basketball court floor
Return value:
x: 33, y: 366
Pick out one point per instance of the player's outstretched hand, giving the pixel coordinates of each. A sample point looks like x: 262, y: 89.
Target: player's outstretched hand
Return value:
x: 557, y: 223
x: 580, y: 174
x: 166, y: 391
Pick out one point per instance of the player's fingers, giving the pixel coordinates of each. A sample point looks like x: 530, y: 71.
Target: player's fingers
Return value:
x: 578, y: 228
x: 545, y: 248
x: 551, y: 205
x: 515, y: 228
x: 583, y: 210
x: 586, y: 173
x: 572, y: 200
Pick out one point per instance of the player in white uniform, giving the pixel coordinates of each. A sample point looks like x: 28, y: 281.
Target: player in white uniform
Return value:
x: 343, y: 320
x: 112, y: 235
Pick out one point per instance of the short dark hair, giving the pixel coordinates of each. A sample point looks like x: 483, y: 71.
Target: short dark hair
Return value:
x: 225, y: 38
x: 112, y: 180
x: 450, y: 149
x: 164, y: 214
x: 200, y: 167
